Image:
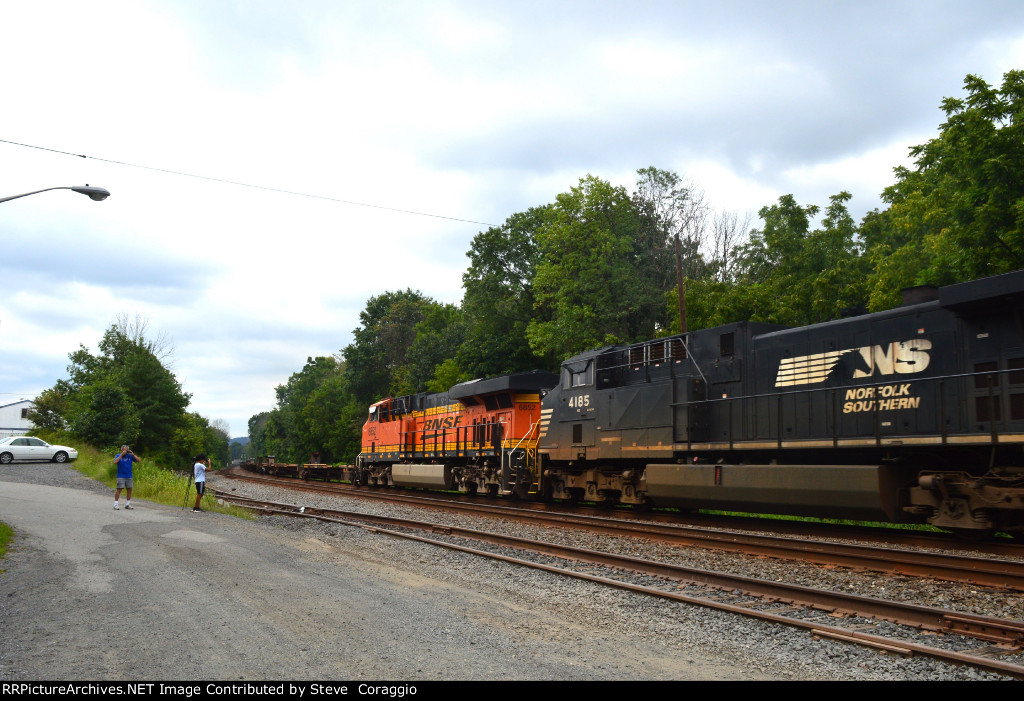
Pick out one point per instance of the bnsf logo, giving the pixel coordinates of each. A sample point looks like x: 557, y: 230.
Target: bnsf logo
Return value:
x: 904, y: 357
x: 441, y: 424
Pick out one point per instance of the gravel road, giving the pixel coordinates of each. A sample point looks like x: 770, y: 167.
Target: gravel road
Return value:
x: 160, y: 593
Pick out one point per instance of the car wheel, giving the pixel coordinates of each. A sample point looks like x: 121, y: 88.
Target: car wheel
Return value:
x: 60, y: 457
x: 6, y: 458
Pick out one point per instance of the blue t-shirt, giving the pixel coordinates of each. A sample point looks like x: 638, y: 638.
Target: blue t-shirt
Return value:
x: 124, y: 466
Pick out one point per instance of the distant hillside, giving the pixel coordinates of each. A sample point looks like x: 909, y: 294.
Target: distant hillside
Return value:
x: 244, y: 440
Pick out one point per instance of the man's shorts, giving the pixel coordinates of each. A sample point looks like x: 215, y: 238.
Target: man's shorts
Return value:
x: 124, y: 482
x: 201, y: 487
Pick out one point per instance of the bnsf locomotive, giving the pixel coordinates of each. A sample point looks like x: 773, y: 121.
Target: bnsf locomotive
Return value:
x: 915, y: 414
x: 479, y: 436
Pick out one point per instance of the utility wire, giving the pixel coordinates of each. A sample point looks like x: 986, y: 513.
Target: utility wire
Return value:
x: 257, y: 187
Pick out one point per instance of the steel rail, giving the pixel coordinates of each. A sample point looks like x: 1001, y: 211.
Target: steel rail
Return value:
x: 799, y: 529
x: 1006, y: 634
x: 1004, y: 574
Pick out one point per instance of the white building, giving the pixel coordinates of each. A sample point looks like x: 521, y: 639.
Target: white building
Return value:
x: 14, y: 418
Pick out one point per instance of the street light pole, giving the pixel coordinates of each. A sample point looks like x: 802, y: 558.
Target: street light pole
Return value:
x: 94, y: 193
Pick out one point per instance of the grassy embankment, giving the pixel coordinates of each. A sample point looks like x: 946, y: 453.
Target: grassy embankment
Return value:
x: 152, y: 482
x: 5, y: 535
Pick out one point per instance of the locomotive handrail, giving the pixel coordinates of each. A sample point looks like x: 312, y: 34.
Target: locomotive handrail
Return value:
x: 516, y: 446
x: 935, y: 384
x: 529, y: 433
x: 665, y: 359
x: 859, y: 386
x: 693, y: 360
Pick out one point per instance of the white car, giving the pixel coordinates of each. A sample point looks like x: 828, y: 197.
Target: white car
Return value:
x: 29, y: 448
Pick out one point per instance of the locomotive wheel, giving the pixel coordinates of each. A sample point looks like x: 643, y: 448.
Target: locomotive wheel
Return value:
x: 492, y: 490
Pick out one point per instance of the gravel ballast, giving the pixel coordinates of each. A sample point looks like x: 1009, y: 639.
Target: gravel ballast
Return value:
x: 176, y: 595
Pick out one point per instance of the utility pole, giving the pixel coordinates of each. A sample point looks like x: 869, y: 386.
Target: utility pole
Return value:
x: 679, y: 283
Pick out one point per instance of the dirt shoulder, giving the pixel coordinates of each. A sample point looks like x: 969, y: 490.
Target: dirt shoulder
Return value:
x: 159, y: 593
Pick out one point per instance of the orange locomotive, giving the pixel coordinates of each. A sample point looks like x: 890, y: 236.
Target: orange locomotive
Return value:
x: 480, y: 436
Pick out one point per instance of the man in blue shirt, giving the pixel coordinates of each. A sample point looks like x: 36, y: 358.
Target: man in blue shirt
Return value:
x: 124, y: 475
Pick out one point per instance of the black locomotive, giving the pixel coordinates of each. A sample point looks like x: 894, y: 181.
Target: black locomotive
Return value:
x: 915, y: 414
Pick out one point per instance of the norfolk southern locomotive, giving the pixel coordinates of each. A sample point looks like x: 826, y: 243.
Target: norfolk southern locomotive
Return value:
x: 915, y: 414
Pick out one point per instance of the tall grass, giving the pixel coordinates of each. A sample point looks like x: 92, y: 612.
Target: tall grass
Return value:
x: 152, y: 482
x: 6, y: 533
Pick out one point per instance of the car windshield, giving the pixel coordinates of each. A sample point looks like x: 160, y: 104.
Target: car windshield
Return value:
x: 6, y: 441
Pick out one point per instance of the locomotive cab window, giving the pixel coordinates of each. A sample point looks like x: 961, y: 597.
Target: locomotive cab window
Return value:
x: 576, y: 376
x: 727, y: 344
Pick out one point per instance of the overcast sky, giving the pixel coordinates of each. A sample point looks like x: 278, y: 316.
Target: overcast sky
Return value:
x: 465, y: 110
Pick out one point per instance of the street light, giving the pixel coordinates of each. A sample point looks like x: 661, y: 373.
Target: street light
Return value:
x: 95, y: 193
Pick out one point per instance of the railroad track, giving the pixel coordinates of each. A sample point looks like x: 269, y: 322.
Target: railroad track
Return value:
x: 984, y: 642
x: 980, y: 571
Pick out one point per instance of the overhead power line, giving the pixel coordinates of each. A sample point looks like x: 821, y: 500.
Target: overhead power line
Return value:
x: 257, y: 187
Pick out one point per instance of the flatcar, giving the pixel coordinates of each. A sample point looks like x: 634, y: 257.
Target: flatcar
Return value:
x: 911, y: 415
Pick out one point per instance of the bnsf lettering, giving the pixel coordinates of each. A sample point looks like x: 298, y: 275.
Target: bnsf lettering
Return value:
x: 441, y: 424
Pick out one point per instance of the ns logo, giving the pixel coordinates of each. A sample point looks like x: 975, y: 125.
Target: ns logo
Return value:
x: 902, y: 357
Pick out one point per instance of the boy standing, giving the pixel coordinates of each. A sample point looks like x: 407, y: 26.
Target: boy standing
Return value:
x: 199, y: 469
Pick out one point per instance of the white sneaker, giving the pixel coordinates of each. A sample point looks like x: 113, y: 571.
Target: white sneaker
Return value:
x: 116, y: 507
x: 129, y: 506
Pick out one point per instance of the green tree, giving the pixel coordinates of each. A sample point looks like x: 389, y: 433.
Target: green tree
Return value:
x: 959, y: 213
x: 438, y: 338
x: 123, y: 394
x: 374, y: 361
x: 589, y: 280
x: 315, y: 413
x: 787, y: 272
x: 498, y: 301
x: 195, y: 436
x: 53, y: 407
x: 105, y: 415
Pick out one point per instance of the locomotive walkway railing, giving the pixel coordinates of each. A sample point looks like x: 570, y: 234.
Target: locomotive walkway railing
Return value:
x: 996, y: 408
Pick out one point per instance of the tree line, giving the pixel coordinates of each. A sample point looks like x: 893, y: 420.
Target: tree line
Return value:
x: 597, y: 266
x: 125, y: 394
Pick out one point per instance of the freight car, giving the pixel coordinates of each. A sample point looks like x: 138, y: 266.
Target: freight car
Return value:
x: 915, y: 414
